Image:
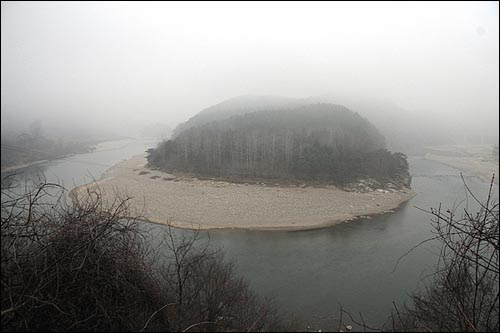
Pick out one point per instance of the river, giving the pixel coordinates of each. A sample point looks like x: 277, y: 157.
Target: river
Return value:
x: 312, y: 273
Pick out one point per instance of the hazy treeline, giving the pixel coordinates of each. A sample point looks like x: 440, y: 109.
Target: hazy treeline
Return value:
x: 404, y: 130
x: 238, y: 106
x: 34, y: 144
x: 314, y: 142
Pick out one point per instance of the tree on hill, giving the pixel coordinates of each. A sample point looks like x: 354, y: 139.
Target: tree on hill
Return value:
x: 318, y: 142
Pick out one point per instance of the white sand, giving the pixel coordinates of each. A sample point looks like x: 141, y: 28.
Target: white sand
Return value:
x: 207, y: 204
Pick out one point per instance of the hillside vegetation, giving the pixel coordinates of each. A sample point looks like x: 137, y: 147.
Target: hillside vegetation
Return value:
x: 19, y: 150
x: 315, y: 142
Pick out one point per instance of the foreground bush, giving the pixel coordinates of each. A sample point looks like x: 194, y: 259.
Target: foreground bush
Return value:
x: 463, y: 293
x: 90, y: 267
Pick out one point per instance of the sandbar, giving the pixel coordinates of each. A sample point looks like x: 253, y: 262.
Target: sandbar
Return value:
x: 212, y: 204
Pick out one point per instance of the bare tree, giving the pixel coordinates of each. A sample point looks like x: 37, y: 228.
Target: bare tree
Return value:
x: 90, y: 266
x: 205, y: 292
x: 72, y: 268
x: 463, y: 295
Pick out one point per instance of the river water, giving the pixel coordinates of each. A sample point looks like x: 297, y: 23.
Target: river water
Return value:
x: 313, y: 273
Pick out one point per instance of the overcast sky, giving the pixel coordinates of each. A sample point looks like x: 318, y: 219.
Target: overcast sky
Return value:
x: 124, y: 64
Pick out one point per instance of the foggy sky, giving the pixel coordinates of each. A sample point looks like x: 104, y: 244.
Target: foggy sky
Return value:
x: 128, y: 64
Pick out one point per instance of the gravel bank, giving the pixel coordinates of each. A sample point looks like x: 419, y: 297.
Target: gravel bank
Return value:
x: 209, y: 204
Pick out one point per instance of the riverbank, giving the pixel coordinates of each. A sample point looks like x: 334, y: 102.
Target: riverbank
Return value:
x: 208, y: 204
x: 473, y: 160
x: 22, y: 166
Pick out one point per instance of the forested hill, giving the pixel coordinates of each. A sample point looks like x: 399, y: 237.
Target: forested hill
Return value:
x: 402, y: 128
x: 316, y: 142
x: 237, y: 106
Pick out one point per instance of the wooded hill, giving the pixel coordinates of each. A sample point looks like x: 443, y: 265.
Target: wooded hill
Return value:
x: 238, y: 106
x: 316, y: 142
x: 402, y: 128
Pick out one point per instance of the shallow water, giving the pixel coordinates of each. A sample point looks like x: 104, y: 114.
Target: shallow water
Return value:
x: 312, y: 273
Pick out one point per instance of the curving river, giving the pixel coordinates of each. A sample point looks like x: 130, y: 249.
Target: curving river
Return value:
x: 312, y: 273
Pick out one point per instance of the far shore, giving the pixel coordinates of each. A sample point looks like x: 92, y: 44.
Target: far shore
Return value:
x: 473, y: 160
x: 95, y: 145
x: 192, y: 203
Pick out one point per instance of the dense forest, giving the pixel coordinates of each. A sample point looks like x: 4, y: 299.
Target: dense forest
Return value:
x: 402, y: 128
x: 316, y: 142
x: 238, y: 106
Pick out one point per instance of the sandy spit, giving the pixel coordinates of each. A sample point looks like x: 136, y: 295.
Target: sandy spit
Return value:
x: 208, y: 204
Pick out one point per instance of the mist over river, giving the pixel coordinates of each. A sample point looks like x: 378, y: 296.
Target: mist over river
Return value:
x: 311, y: 273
